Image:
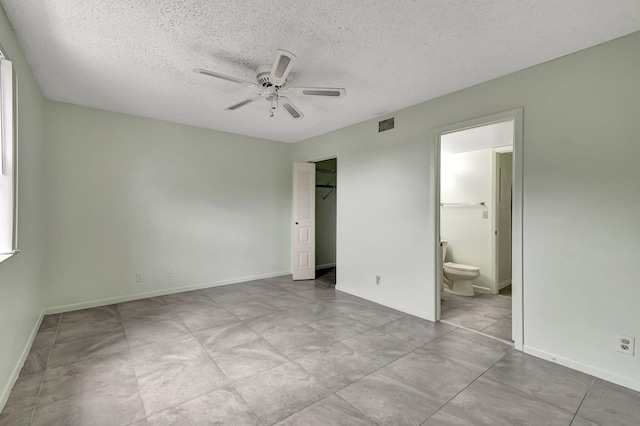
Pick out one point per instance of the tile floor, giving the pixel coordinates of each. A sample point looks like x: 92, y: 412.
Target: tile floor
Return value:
x: 487, y: 313
x: 291, y: 353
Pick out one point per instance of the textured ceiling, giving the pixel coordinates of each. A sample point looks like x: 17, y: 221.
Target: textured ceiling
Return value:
x: 136, y: 56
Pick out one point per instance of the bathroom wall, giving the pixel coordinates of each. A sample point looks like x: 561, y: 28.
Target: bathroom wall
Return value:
x: 467, y: 178
x: 326, y: 215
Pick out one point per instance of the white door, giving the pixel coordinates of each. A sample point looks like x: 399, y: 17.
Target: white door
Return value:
x: 304, y: 221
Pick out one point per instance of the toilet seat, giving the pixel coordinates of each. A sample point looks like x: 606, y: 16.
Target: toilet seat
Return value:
x: 460, y: 267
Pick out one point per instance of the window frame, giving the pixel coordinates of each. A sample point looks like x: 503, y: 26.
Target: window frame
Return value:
x: 9, y: 144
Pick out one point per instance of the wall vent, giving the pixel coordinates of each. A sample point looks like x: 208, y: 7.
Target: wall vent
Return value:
x: 387, y: 124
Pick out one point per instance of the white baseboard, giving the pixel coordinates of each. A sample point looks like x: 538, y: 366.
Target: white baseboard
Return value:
x: 4, y: 396
x: 325, y: 266
x: 384, y: 303
x: 163, y: 292
x: 575, y: 365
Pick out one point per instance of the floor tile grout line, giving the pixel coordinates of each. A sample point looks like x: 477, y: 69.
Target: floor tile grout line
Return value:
x: 467, y: 386
x: 135, y: 373
x: 532, y: 396
x: 593, y: 380
x: 44, y: 373
x: 192, y: 332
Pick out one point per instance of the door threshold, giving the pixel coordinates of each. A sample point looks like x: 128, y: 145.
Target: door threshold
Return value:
x: 506, y: 342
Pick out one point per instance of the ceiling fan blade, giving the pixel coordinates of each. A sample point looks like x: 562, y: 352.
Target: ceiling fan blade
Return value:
x: 329, y: 92
x: 224, y: 77
x: 243, y: 103
x: 293, y: 110
x: 281, y: 67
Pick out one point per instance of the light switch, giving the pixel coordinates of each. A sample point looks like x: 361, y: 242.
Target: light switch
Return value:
x: 485, y: 214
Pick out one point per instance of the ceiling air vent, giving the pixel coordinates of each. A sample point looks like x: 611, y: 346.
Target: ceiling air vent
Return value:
x: 384, y: 125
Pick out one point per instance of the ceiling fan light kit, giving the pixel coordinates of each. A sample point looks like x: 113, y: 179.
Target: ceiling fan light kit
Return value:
x: 272, y: 80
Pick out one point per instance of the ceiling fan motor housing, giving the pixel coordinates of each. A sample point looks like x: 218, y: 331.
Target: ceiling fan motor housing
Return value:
x: 263, y: 72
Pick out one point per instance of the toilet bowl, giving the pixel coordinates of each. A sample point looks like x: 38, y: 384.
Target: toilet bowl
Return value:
x: 456, y: 277
x: 459, y: 277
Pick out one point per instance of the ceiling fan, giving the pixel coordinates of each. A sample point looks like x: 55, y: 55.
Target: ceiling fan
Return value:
x: 272, y: 80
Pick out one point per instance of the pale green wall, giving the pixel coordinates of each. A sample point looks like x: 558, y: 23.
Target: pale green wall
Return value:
x: 127, y: 194
x: 581, y: 203
x: 21, y: 295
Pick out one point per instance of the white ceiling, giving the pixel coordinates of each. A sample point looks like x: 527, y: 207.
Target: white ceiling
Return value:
x: 136, y: 56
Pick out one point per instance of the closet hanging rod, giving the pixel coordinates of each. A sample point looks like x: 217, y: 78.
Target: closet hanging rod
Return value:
x: 326, y: 171
x: 481, y: 203
x: 326, y: 186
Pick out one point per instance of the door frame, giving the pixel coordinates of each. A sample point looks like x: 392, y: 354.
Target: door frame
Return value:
x: 496, y: 207
x: 517, y: 282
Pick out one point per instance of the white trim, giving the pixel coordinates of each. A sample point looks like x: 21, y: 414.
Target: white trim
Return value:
x: 4, y: 396
x: 137, y: 296
x: 575, y: 365
x: 383, y: 302
x: 517, y: 115
x: 326, y: 265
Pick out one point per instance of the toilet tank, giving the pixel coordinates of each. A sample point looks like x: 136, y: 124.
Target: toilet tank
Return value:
x: 443, y: 244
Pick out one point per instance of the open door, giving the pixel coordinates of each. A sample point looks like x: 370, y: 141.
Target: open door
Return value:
x: 304, y: 221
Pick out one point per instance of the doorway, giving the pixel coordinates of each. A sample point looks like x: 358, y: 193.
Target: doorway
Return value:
x: 477, y: 198
x: 326, y: 210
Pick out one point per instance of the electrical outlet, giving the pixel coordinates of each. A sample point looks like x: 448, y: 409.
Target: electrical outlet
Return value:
x: 168, y: 273
x: 138, y: 277
x: 625, y: 344
x: 378, y: 279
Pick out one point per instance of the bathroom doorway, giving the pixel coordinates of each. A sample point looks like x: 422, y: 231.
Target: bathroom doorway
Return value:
x: 478, y: 218
x: 326, y: 212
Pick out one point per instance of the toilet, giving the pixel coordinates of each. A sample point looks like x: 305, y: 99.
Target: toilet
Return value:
x: 456, y: 277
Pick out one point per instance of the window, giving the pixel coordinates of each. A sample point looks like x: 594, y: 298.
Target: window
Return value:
x: 8, y: 161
